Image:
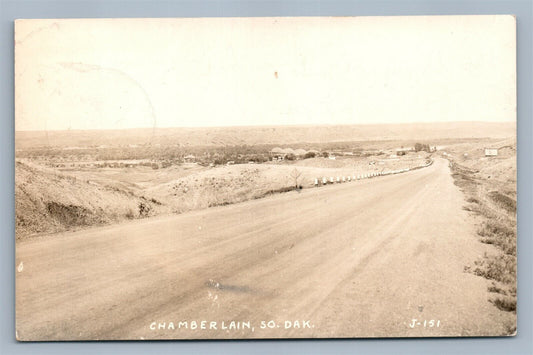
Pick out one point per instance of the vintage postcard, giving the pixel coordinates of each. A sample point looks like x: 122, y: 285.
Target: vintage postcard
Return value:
x: 249, y: 178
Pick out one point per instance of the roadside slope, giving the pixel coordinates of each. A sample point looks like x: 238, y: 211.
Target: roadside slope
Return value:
x: 48, y: 201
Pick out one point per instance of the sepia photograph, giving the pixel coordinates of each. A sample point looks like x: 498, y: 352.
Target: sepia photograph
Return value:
x: 265, y: 178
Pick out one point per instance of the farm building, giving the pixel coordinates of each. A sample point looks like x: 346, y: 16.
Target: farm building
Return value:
x: 491, y: 152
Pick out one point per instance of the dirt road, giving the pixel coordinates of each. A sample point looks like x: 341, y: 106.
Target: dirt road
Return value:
x: 358, y: 259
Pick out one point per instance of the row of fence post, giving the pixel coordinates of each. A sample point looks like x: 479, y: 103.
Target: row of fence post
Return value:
x: 343, y: 179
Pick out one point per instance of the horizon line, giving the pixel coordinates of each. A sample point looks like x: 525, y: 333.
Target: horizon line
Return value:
x: 259, y: 126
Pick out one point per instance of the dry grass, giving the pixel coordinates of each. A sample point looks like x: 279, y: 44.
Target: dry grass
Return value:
x: 496, y: 288
x: 501, y: 268
x: 507, y: 304
x: 478, y: 177
x: 501, y: 235
x: 49, y: 201
x: 224, y: 185
x: 504, y: 201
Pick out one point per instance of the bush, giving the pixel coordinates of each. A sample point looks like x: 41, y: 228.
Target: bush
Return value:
x: 497, y: 233
x: 504, y: 201
x: 422, y: 147
x: 130, y: 214
x: 500, y: 268
x: 144, y: 209
x: 69, y: 215
x: 258, y: 158
x: 309, y: 155
x: 505, y: 304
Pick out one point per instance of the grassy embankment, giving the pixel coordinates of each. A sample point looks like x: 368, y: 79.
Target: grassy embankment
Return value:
x: 489, y: 185
x: 49, y: 201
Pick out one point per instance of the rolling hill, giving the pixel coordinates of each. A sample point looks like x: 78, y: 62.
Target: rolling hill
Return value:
x: 252, y: 135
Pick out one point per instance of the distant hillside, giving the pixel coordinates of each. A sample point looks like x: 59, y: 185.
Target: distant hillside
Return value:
x: 220, y: 136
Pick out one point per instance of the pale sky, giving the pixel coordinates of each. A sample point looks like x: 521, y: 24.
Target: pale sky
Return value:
x: 132, y: 73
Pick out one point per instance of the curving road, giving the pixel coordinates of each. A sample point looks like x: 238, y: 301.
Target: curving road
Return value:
x: 360, y: 259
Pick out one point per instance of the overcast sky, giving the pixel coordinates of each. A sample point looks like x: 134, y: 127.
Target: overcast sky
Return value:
x: 130, y: 73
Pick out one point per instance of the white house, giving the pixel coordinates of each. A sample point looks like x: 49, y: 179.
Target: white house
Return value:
x: 491, y: 152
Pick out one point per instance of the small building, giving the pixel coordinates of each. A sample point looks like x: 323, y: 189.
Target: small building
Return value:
x: 491, y: 152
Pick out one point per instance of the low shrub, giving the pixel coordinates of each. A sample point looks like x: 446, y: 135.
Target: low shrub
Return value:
x: 505, y: 304
x: 144, y: 209
x: 497, y: 289
x: 501, y: 268
x: 498, y: 234
x: 130, y: 214
x: 503, y: 201
x: 472, y: 200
